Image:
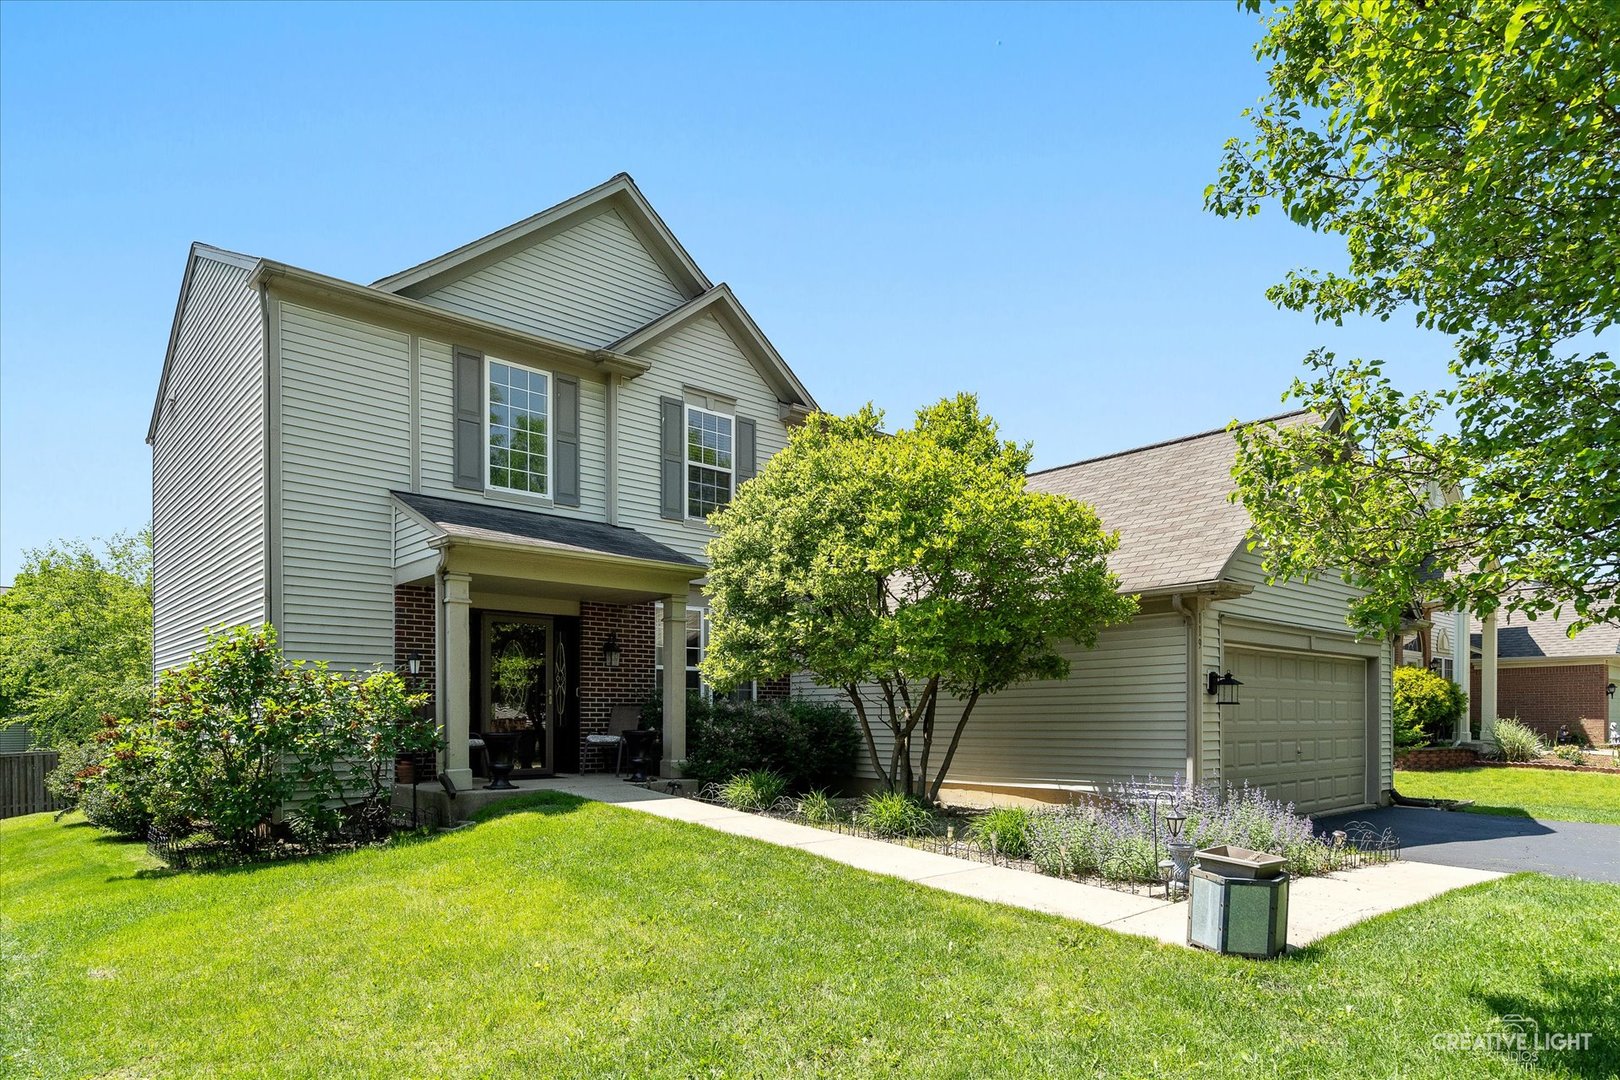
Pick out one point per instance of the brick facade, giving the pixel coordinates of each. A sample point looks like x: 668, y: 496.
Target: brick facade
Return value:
x: 415, y: 630
x: 775, y: 690
x: 600, y: 689
x: 1434, y: 758
x: 1552, y: 696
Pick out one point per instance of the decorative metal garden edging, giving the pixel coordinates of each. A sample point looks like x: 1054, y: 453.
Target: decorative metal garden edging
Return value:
x: 1358, y: 844
x: 942, y: 838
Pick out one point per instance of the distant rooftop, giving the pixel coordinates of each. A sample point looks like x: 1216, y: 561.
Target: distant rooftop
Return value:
x: 1518, y: 637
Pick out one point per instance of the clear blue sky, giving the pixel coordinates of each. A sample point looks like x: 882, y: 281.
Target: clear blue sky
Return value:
x: 910, y: 200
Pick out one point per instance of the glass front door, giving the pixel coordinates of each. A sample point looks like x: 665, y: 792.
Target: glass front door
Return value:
x: 519, y: 678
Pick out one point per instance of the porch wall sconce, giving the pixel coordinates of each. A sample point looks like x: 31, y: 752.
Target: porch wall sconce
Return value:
x: 1223, y: 688
x: 413, y: 662
x: 610, y: 652
x: 1609, y: 689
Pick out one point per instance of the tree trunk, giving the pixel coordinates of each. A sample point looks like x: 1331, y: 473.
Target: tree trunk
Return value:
x: 950, y: 752
x: 866, y: 729
x: 931, y: 701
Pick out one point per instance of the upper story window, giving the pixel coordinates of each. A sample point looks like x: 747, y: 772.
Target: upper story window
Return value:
x: 518, y: 435
x: 710, y: 464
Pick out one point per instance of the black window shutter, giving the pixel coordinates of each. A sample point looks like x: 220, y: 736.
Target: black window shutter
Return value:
x: 672, y: 466
x: 469, y: 422
x: 565, y: 485
x: 746, y: 466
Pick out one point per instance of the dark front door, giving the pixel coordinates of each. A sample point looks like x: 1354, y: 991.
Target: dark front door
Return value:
x: 520, y: 683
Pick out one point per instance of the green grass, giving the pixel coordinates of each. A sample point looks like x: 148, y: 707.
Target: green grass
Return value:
x: 1536, y: 793
x: 574, y: 939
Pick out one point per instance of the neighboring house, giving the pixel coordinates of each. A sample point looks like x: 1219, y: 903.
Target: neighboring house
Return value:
x: 1312, y: 723
x: 1551, y: 681
x: 492, y: 467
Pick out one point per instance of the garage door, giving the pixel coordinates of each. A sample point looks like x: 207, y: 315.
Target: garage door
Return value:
x: 1300, y: 728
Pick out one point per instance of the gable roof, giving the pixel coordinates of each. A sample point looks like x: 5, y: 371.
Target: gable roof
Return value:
x: 197, y: 251
x: 734, y: 318
x: 1169, y: 502
x: 620, y: 192
x: 456, y: 518
x: 1519, y: 637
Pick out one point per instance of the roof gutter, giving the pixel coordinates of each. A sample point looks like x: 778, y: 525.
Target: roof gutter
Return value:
x: 292, y: 279
x: 445, y: 541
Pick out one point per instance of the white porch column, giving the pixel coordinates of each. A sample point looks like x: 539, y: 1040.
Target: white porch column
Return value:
x: 1462, y: 670
x: 456, y: 663
x: 674, y: 689
x: 1487, y: 677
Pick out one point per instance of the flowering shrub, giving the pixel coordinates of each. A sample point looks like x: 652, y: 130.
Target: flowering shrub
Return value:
x: 238, y: 733
x: 116, y: 782
x: 1117, y: 842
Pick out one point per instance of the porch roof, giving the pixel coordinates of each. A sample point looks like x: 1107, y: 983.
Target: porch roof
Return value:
x: 462, y: 519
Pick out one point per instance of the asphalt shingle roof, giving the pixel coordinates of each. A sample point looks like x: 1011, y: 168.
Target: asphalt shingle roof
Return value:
x: 479, y: 521
x: 1520, y: 637
x: 1169, y: 502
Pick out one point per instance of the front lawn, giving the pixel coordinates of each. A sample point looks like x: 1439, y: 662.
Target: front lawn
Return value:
x: 1554, y: 795
x: 574, y: 939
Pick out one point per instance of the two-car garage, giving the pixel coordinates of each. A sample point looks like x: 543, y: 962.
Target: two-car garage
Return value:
x: 1301, y: 729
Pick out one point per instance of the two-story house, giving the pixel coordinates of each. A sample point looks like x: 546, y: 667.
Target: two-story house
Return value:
x: 491, y: 469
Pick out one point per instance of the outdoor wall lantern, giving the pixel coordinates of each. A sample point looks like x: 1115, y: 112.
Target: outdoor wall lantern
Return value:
x: 414, y: 662
x: 1223, y: 688
x: 1609, y: 689
x: 610, y: 652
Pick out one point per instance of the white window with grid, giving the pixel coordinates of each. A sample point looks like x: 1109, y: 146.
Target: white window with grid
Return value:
x: 710, y: 461
x: 697, y: 643
x: 518, y: 429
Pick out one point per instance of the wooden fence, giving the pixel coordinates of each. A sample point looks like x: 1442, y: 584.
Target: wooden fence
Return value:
x: 22, y: 783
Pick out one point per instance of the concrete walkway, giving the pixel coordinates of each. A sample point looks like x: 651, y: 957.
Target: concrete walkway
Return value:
x: 1317, y: 906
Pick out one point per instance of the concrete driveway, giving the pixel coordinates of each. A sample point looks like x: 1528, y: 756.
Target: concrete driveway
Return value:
x: 1503, y: 844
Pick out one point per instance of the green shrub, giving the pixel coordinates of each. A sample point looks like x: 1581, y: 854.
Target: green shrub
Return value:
x: 757, y: 789
x: 75, y: 765
x: 1570, y: 752
x: 1427, y: 707
x: 240, y: 732
x: 811, y: 744
x: 119, y: 789
x: 345, y: 746
x: 1515, y: 742
x: 817, y: 808
x: 1006, y: 828
x: 894, y: 814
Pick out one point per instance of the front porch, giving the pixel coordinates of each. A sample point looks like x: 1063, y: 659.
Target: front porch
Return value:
x: 532, y: 632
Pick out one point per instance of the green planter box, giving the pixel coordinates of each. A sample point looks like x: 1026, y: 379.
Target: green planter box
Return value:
x: 1241, y: 916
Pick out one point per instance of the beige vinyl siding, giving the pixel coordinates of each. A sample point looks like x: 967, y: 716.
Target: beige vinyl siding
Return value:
x: 699, y: 357
x: 208, y: 525
x: 410, y: 539
x: 438, y: 462
x: 1319, y: 607
x: 590, y: 284
x: 345, y: 442
x: 1122, y: 712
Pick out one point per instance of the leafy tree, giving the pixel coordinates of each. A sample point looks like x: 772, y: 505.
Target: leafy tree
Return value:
x: 76, y: 638
x: 916, y: 566
x: 1468, y: 152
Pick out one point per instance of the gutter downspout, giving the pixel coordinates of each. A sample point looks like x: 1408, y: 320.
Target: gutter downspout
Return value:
x: 1194, y: 701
